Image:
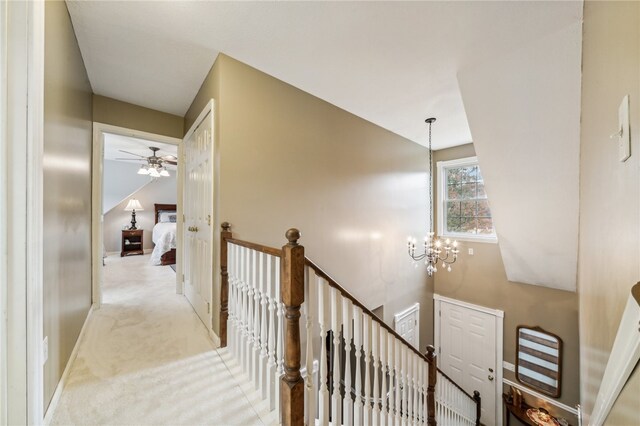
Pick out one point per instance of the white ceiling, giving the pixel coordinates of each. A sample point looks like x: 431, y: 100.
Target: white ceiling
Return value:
x: 392, y: 63
x: 115, y: 144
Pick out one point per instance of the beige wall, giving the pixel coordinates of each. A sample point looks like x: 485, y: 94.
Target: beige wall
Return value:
x: 609, y: 261
x: 122, y: 114
x: 67, y: 192
x: 481, y: 279
x: 161, y: 191
x: 288, y: 159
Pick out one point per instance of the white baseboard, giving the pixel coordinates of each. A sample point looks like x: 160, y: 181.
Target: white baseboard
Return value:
x: 65, y: 374
x: 147, y: 251
x: 214, y: 337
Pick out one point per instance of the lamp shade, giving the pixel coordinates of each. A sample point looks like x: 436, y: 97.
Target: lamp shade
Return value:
x: 133, y: 204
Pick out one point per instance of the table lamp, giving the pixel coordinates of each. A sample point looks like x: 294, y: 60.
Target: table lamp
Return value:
x: 132, y: 206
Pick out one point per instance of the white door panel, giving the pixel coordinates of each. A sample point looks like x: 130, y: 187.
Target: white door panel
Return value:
x: 198, y: 218
x: 407, y: 324
x: 468, y: 353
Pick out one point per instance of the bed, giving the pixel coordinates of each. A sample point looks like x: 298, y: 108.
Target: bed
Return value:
x: 164, y: 235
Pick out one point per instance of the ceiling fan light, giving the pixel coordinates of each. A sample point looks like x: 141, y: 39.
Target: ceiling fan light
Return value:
x: 164, y: 172
x: 143, y: 171
x: 153, y: 172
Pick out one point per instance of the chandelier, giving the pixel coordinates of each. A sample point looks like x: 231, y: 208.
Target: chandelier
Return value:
x: 435, y: 251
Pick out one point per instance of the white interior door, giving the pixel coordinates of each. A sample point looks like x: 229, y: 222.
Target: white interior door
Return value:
x: 198, y: 217
x: 469, y: 354
x: 407, y: 324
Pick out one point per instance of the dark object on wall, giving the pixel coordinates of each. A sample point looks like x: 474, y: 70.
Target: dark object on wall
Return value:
x: 539, y: 360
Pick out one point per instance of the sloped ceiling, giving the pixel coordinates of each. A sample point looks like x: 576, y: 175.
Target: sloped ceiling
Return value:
x: 392, y: 63
x: 525, y: 120
x: 505, y: 75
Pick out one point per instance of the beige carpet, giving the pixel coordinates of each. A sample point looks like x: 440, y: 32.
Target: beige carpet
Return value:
x: 146, y: 359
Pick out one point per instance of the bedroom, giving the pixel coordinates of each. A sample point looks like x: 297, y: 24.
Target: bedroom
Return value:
x: 139, y: 200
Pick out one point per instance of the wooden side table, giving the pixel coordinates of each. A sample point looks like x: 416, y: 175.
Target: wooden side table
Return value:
x: 132, y: 242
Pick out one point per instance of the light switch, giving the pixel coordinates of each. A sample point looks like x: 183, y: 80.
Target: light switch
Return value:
x: 470, y: 252
x: 624, y: 141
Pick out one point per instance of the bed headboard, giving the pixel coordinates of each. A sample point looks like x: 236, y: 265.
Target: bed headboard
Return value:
x: 160, y: 207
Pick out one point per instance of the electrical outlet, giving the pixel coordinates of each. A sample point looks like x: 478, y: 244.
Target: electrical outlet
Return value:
x: 45, y: 349
x: 508, y: 366
x: 470, y: 252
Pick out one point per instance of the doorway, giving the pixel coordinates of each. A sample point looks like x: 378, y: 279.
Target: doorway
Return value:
x: 468, y: 340
x: 117, y: 149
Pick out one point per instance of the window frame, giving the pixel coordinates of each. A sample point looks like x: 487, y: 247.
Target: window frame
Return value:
x: 442, y: 167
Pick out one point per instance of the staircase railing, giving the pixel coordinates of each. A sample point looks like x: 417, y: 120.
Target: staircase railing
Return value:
x: 368, y: 374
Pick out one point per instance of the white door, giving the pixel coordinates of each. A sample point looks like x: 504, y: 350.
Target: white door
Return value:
x: 198, y: 217
x: 468, y: 353
x: 407, y: 325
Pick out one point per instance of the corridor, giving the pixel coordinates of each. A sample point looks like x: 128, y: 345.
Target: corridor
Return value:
x: 145, y: 358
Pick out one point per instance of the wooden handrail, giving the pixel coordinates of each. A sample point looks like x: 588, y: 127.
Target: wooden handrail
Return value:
x: 257, y: 247
x: 356, y: 302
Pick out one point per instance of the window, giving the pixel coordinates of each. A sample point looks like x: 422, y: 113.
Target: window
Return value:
x: 463, y: 208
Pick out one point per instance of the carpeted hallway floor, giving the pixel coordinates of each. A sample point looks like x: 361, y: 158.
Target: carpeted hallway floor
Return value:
x: 146, y: 358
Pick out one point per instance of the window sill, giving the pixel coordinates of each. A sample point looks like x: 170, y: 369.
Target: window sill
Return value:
x: 470, y: 238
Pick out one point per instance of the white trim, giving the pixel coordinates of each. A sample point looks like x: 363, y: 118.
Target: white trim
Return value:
x: 558, y: 404
x: 623, y: 358
x: 21, y: 149
x: 55, y: 399
x: 214, y: 338
x: 207, y: 108
x: 499, y: 332
x: 460, y: 162
x: 495, y: 312
x: 96, y: 196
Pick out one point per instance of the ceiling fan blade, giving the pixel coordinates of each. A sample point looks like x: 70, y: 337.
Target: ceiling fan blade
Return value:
x: 173, y: 163
x: 131, y: 153
x: 130, y: 159
x: 169, y: 158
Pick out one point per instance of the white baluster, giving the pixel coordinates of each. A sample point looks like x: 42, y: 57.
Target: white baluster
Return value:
x: 383, y: 375
x: 271, y: 344
x: 366, y: 345
x: 375, y: 368
x: 243, y: 301
x: 250, y: 291
x: 357, y: 340
x: 410, y: 385
x: 323, y: 405
x: 391, y: 347
x: 310, y: 301
x: 230, y: 312
x: 264, y: 325
x: 256, y: 320
x: 405, y: 385
x: 347, y: 401
x: 416, y: 389
x: 398, y: 392
x: 280, y: 338
x: 336, y: 324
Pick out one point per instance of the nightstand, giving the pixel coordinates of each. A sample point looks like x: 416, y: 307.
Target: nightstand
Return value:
x: 132, y: 242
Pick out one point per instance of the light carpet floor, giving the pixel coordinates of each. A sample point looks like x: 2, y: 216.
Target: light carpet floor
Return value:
x: 146, y: 359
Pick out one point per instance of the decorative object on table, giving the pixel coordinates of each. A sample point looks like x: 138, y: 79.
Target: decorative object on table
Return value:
x: 155, y: 166
x: 132, y: 242
x: 132, y: 206
x: 539, y: 360
x: 433, y: 247
x: 541, y: 417
x: 517, y: 397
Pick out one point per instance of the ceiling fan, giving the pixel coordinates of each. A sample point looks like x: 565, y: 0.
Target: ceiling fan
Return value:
x: 155, y: 166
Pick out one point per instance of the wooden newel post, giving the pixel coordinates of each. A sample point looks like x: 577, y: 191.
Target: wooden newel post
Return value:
x: 224, y: 283
x: 431, y: 386
x: 292, y: 293
x: 477, y: 399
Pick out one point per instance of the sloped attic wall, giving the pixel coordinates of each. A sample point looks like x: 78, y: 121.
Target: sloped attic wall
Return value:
x: 524, y: 117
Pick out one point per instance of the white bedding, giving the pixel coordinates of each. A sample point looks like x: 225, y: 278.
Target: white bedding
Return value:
x: 164, y: 237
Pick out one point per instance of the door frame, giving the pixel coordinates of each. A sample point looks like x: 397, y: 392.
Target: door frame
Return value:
x: 21, y: 218
x: 97, y: 180
x: 499, y: 315
x: 215, y: 241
